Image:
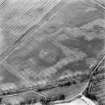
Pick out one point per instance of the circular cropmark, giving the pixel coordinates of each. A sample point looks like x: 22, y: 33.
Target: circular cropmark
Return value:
x: 49, y: 55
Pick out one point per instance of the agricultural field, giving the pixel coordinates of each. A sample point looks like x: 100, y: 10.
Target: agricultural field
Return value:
x: 44, y: 43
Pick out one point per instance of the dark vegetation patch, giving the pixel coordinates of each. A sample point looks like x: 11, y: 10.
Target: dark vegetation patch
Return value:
x: 76, y: 66
x: 91, y: 48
